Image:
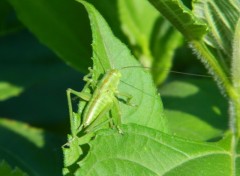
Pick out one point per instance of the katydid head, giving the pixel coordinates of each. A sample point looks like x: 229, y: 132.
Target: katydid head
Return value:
x: 115, y: 72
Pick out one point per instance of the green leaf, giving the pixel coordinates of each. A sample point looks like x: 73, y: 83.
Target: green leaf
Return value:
x: 74, y: 151
x: 33, y: 150
x: 6, y: 170
x: 5, y: 9
x: 8, y: 90
x: 34, y: 81
x: 182, y: 18
x: 59, y: 25
x: 71, y: 153
x: 144, y: 151
x: 8, y: 24
x: 152, y: 37
x: 238, y: 159
x: 32, y: 71
x: 221, y: 16
x: 195, y: 109
x: 236, y: 58
x: 110, y: 53
x: 138, y: 19
x: 17, y: 68
x: 110, y: 11
x: 235, y: 72
x: 165, y: 40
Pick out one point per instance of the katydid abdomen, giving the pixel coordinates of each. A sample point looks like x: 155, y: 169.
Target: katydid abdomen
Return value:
x: 103, y: 97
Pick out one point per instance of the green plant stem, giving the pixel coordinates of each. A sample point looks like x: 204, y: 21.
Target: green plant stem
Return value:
x: 236, y: 114
x: 224, y: 83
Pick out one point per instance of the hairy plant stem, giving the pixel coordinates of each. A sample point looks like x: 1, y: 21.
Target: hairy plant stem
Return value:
x: 236, y: 114
x: 223, y: 82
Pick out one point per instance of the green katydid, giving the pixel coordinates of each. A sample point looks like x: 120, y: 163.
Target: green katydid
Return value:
x: 102, y: 100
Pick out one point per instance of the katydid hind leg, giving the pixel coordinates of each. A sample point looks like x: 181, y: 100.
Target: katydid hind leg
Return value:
x: 115, y: 120
x: 98, y: 126
x: 98, y: 119
x: 116, y: 115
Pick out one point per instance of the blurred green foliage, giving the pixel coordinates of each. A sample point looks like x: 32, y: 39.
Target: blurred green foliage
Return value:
x: 37, y: 65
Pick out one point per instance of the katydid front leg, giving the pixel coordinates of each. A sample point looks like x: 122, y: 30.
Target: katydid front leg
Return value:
x: 88, y: 77
x: 127, y: 96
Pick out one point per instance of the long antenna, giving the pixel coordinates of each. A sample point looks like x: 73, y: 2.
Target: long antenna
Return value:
x: 137, y: 88
x: 172, y: 71
x: 191, y: 74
